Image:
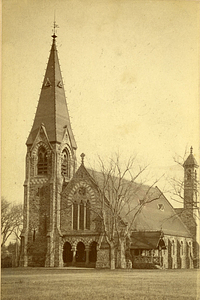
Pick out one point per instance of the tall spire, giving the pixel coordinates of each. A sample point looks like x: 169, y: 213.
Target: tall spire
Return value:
x: 52, y: 108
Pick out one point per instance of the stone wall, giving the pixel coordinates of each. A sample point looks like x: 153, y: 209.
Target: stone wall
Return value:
x: 179, y: 253
x: 103, y: 259
x: 80, y: 188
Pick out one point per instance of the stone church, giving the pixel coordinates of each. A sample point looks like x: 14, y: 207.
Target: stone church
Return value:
x: 61, y: 224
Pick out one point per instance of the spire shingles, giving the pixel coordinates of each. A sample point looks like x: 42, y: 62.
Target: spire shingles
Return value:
x: 52, y: 108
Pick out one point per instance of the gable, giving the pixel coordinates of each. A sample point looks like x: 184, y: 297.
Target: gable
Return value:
x: 41, y: 139
x: 152, y: 217
x: 78, y: 200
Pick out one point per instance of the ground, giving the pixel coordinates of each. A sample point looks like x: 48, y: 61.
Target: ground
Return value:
x: 95, y: 284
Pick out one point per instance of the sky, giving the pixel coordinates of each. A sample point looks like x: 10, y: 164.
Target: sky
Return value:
x: 131, y: 74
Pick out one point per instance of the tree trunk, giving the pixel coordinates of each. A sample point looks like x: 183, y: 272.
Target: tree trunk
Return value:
x: 122, y: 260
x: 112, y: 256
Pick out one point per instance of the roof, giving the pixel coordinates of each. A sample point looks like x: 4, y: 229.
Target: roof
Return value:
x: 148, y: 209
x: 146, y: 240
x: 52, y: 108
x: 190, y: 161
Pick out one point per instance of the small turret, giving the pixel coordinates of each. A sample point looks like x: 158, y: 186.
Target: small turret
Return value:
x: 190, y: 182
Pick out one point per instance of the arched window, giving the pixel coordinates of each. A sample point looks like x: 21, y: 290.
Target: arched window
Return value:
x: 65, y: 165
x: 88, y: 215
x: 81, y: 215
x: 42, y: 161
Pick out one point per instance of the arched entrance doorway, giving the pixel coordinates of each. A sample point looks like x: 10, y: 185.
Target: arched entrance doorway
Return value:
x: 80, y: 253
x: 67, y: 253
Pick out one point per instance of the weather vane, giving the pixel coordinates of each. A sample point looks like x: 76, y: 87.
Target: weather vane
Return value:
x: 54, y: 27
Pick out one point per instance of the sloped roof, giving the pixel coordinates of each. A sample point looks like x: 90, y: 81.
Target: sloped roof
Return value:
x: 148, y: 207
x: 146, y: 240
x: 190, y: 161
x: 52, y: 108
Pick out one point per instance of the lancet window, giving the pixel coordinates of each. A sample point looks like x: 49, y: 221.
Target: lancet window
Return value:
x: 65, y: 164
x: 42, y: 161
x: 81, y: 215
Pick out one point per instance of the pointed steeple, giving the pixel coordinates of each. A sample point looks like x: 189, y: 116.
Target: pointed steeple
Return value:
x: 52, y: 108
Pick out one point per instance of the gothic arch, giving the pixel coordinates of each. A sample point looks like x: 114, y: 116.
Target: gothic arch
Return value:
x: 66, y: 146
x: 38, y: 145
x: 34, y: 155
x: 66, y: 163
x: 67, y: 252
x: 74, y: 241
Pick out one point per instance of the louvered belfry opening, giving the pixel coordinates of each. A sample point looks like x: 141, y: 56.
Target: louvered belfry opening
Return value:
x: 65, y: 167
x: 42, y: 161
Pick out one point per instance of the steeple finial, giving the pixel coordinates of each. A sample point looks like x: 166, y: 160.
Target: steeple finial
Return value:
x: 191, y: 150
x: 82, y: 158
x: 54, y: 27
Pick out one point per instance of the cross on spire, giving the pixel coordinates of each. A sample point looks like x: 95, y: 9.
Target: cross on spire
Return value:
x: 82, y: 158
x: 191, y: 150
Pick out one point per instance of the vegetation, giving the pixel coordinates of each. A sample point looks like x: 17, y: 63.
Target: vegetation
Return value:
x: 117, y: 187
x: 11, y: 220
x: 39, y: 284
x: 11, y: 225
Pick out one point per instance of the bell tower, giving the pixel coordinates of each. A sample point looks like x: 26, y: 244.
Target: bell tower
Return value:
x: 190, y: 183
x: 50, y: 163
x: 191, y: 204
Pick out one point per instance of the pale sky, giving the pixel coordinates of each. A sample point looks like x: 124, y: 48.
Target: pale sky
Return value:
x: 131, y: 73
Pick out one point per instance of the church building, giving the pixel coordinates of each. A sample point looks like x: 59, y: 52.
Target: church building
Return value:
x: 61, y: 225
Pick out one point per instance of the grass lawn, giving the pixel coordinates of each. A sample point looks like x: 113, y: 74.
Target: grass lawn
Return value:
x: 94, y: 284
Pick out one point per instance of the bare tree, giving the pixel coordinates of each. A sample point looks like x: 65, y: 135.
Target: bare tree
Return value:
x: 117, y: 211
x: 11, y: 220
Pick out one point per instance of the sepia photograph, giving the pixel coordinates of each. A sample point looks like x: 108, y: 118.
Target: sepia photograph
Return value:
x: 100, y: 149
